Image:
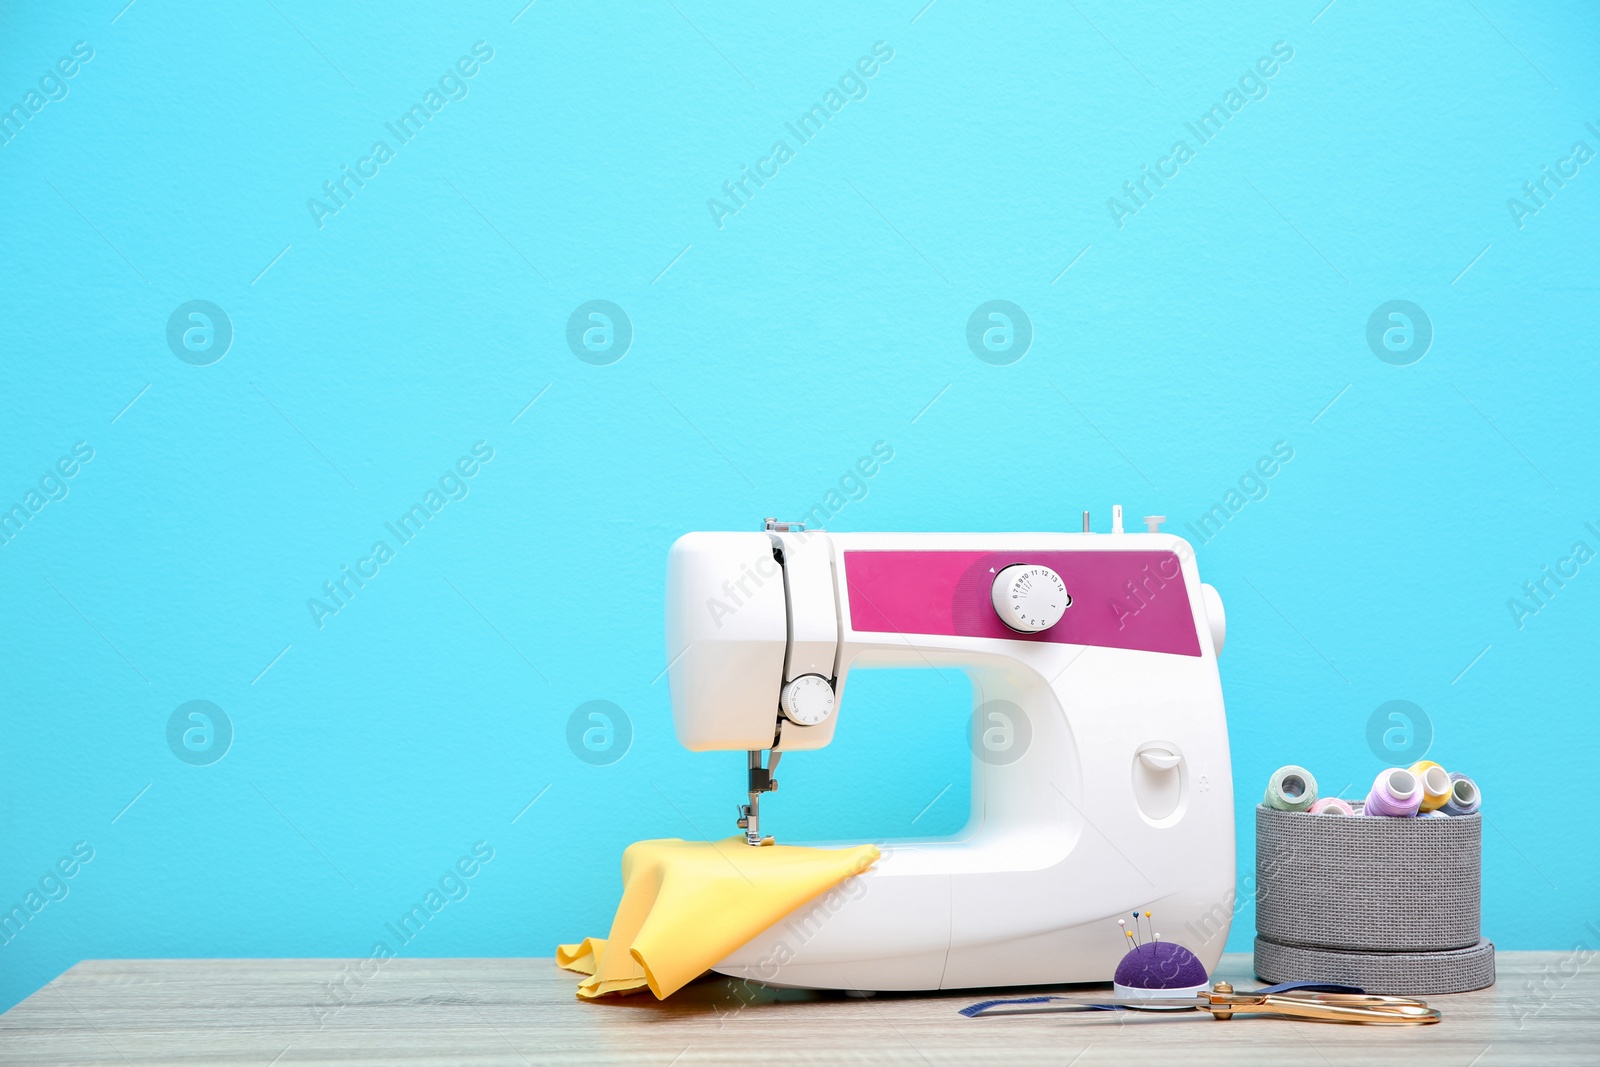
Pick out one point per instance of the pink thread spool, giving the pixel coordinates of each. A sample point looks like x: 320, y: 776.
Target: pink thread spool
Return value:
x: 1396, y: 792
x: 1332, y: 806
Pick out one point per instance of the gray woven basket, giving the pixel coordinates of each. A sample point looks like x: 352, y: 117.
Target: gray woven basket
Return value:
x: 1368, y: 884
x: 1387, y: 973
x: 1389, y: 904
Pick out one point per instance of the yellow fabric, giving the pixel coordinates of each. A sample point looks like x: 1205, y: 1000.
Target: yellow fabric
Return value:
x: 687, y: 904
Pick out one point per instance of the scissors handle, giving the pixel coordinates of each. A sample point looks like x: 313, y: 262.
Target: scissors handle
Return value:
x: 1366, y: 1008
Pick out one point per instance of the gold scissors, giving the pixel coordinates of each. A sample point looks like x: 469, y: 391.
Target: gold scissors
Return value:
x: 1223, y: 1003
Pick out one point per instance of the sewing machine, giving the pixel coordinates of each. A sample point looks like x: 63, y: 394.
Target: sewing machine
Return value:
x: 1100, y: 773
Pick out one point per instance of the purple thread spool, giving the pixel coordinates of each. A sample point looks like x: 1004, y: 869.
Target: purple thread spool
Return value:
x: 1395, y: 792
x: 1465, y: 797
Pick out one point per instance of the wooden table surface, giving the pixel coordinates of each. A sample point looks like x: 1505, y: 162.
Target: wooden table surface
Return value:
x: 1545, y: 1010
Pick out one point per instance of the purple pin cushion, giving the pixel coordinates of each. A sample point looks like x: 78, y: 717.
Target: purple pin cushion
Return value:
x: 1160, y: 969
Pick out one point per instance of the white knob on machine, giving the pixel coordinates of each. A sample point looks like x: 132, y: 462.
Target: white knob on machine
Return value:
x: 807, y: 700
x: 1029, y: 598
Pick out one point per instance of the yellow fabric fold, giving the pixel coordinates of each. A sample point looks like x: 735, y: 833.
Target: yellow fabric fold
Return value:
x: 687, y: 904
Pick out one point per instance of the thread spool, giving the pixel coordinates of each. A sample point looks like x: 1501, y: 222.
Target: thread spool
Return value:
x: 1332, y: 806
x: 1291, y: 788
x: 1436, y: 784
x: 1465, y: 797
x: 1395, y: 792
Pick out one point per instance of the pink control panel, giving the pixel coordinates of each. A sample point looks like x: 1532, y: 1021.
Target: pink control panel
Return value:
x: 1132, y: 600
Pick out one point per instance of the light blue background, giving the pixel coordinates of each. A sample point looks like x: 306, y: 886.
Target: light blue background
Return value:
x: 1228, y: 314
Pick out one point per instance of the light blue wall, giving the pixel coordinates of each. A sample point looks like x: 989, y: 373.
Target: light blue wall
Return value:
x: 1227, y: 314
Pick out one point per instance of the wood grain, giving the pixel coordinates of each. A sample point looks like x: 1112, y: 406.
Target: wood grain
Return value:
x: 1545, y: 1010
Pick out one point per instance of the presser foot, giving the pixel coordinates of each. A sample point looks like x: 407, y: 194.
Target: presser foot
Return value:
x: 750, y: 824
x: 760, y: 781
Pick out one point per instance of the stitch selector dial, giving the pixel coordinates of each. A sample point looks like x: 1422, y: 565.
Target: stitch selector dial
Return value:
x: 1029, y: 598
x: 807, y: 701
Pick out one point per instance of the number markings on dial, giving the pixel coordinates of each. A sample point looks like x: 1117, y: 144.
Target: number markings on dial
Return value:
x: 1034, y: 597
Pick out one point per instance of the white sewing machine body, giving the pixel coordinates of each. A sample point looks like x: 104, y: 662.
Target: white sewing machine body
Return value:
x: 1101, y: 781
